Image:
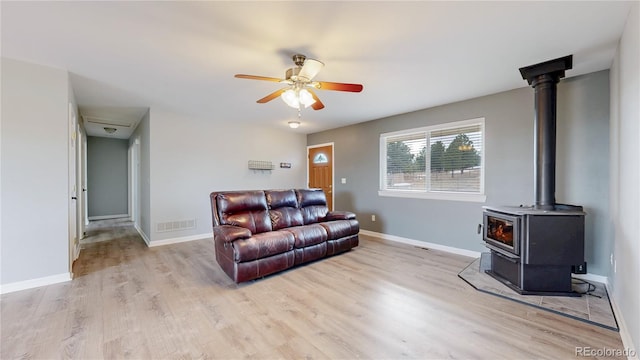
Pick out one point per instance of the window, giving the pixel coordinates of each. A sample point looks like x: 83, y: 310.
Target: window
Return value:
x: 320, y: 159
x: 437, y: 162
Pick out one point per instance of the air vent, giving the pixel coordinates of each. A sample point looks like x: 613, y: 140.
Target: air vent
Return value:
x: 176, y: 225
x: 110, y: 122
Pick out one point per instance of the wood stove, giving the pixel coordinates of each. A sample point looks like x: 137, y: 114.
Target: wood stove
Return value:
x: 546, y: 245
x: 533, y: 248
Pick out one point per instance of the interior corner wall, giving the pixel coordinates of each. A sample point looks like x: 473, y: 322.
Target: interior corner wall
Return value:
x: 625, y: 177
x: 200, y: 156
x: 142, y: 135
x: 509, y: 165
x: 582, y: 153
x: 34, y: 190
x: 107, y: 176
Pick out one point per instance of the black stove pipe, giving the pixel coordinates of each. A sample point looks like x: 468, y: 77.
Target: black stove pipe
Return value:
x: 543, y: 78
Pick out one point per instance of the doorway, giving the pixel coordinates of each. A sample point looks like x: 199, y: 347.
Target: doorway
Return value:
x: 72, y: 187
x: 134, y: 182
x: 320, y: 170
x: 108, y: 177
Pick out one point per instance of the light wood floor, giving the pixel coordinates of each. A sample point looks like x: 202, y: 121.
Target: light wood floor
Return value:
x: 109, y: 229
x: 380, y: 300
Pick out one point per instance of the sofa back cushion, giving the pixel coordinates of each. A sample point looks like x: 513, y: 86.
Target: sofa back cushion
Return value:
x: 247, y: 209
x: 283, y: 209
x: 313, y: 205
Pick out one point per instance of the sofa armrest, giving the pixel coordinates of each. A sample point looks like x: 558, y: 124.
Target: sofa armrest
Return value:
x: 230, y: 233
x: 340, y: 215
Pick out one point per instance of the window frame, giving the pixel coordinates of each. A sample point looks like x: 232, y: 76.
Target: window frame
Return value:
x: 431, y: 194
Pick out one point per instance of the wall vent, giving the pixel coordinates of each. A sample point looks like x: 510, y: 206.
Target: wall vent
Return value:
x: 110, y: 121
x: 176, y: 225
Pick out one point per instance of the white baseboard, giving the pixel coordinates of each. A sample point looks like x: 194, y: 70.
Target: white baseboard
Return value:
x: 627, y: 340
x: 180, y: 239
x: 449, y: 249
x: 106, y: 217
x: 142, y: 234
x: 34, y: 283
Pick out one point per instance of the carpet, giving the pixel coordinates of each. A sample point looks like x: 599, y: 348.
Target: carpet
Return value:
x: 592, y: 307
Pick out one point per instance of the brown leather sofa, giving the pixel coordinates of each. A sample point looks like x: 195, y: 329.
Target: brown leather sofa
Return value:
x: 257, y: 233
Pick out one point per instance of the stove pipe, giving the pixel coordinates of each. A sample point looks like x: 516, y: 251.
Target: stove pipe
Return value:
x: 543, y: 77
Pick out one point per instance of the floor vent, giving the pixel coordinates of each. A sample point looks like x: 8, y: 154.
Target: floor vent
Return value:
x: 176, y: 225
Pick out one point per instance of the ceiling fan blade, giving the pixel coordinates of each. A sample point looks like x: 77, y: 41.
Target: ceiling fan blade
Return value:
x: 272, y: 96
x: 325, y: 85
x: 310, y: 69
x: 255, y: 77
x: 318, y: 105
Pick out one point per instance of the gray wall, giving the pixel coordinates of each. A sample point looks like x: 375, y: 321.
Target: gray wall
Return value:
x: 582, y: 176
x: 34, y: 165
x: 625, y: 177
x: 582, y: 133
x: 206, y: 156
x: 107, y: 181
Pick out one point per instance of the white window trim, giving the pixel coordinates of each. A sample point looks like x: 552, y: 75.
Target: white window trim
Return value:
x: 435, y: 195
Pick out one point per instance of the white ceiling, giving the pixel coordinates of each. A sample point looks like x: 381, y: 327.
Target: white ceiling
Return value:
x: 181, y: 56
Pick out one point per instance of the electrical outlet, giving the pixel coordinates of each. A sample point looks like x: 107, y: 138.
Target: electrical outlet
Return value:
x: 343, y: 180
x: 373, y: 218
x: 579, y: 269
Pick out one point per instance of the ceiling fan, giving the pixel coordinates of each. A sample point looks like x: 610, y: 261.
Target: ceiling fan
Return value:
x: 300, y: 89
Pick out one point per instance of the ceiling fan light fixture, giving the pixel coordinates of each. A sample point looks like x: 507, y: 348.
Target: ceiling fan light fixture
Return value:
x: 298, y: 79
x: 295, y: 98
x: 305, y: 98
x: 294, y: 124
x: 290, y: 98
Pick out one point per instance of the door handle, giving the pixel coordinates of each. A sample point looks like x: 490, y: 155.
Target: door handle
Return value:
x: 74, y: 198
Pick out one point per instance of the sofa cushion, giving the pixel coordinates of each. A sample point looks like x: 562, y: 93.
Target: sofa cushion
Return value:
x: 262, y: 245
x: 313, y: 205
x: 281, y: 198
x: 340, y: 228
x: 283, y: 209
x: 247, y: 209
x: 307, y: 235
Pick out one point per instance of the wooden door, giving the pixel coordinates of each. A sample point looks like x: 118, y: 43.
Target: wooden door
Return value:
x: 321, y: 171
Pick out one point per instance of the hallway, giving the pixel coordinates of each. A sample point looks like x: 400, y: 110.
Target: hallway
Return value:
x: 106, y: 230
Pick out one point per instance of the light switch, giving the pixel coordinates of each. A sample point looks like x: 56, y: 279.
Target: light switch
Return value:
x: 344, y: 180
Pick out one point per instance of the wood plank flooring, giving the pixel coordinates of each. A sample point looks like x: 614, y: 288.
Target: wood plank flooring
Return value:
x: 380, y: 300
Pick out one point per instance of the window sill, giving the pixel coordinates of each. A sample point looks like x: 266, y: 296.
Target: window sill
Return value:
x: 434, y: 195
